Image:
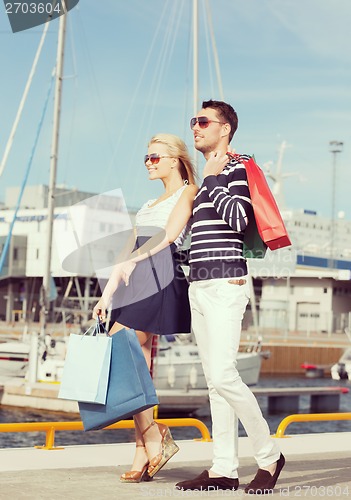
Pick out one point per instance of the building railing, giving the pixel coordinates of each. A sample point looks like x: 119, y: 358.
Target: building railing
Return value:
x: 308, y: 417
x: 51, y: 427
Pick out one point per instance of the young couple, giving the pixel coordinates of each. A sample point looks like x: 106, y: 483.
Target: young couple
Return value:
x: 219, y: 212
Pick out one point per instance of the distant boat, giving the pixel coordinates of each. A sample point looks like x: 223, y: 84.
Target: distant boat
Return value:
x: 342, y: 369
x: 339, y: 371
x: 313, y: 370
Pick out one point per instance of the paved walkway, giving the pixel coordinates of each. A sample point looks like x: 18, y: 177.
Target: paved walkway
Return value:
x: 318, y: 466
x: 314, y: 476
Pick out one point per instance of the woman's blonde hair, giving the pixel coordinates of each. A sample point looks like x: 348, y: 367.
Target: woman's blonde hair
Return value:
x: 177, y: 149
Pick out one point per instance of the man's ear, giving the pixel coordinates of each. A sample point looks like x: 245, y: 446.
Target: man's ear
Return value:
x: 226, y: 129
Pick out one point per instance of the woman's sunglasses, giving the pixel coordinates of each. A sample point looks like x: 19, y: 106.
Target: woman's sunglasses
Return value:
x: 154, y: 158
x: 203, y: 122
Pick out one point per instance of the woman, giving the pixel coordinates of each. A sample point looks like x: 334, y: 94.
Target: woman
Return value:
x: 149, y: 298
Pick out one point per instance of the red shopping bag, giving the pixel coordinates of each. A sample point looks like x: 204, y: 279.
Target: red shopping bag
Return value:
x: 269, y: 222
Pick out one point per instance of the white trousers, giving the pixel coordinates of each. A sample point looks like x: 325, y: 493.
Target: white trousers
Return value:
x: 217, y: 309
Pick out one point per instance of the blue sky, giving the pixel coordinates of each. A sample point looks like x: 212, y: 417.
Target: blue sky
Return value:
x: 285, y: 67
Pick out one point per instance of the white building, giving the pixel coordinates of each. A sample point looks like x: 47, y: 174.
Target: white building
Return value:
x: 86, y: 241
x: 314, y: 291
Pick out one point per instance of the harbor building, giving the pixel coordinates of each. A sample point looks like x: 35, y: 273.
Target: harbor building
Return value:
x: 84, y: 226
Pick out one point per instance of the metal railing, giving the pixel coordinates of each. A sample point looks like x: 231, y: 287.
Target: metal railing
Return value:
x: 308, y: 417
x: 51, y: 427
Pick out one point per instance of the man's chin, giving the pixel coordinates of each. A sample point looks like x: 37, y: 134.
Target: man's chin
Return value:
x: 198, y: 147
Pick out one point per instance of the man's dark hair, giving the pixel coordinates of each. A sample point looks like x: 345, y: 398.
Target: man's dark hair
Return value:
x: 226, y: 112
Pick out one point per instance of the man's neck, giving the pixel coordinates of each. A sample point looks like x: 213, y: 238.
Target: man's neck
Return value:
x: 220, y: 149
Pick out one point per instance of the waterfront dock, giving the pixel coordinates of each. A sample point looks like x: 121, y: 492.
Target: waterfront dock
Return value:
x: 317, y: 466
x: 16, y: 392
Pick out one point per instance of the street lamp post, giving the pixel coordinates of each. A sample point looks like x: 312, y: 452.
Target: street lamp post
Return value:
x: 335, y: 148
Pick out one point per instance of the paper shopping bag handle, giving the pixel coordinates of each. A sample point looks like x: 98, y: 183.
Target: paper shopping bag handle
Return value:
x: 96, y: 328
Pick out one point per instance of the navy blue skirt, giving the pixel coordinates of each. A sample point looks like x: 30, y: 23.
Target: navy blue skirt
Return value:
x: 156, y: 299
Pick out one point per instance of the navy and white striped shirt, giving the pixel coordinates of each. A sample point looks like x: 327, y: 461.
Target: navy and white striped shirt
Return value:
x: 221, y: 211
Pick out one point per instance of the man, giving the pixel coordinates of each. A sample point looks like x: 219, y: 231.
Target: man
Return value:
x: 219, y: 293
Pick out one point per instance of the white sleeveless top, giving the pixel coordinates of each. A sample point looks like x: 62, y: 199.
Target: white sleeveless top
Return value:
x: 158, y: 215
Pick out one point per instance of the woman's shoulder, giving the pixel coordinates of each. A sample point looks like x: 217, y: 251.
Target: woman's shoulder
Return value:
x: 190, y: 193
x: 184, y: 192
x: 190, y: 190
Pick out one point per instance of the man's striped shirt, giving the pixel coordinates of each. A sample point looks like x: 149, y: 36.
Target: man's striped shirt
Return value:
x: 222, y: 209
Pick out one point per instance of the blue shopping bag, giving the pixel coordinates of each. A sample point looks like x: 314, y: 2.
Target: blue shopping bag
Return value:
x: 87, y: 367
x: 130, y: 388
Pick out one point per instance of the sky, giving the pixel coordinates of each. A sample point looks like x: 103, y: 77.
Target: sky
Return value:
x: 285, y: 68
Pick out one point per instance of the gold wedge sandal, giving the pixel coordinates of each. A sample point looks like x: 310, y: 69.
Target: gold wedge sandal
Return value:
x: 135, y: 476
x: 168, y: 449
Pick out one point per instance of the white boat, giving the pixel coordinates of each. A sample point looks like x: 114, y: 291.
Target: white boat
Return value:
x: 177, y: 369
x: 14, y: 358
x: 178, y: 366
x: 342, y: 369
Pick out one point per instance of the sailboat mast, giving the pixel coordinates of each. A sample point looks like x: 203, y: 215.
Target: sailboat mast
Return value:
x: 195, y: 67
x: 53, y: 169
x: 215, y: 52
x: 23, y: 100
x: 195, y: 55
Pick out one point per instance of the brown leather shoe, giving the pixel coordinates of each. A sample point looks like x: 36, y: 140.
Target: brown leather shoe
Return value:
x: 263, y: 483
x: 205, y: 483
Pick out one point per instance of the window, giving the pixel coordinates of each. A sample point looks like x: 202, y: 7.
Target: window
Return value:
x: 15, y: 254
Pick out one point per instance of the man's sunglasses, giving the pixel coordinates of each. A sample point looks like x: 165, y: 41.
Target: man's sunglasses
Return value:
x: 154, y: 158
x: 203, y: 122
